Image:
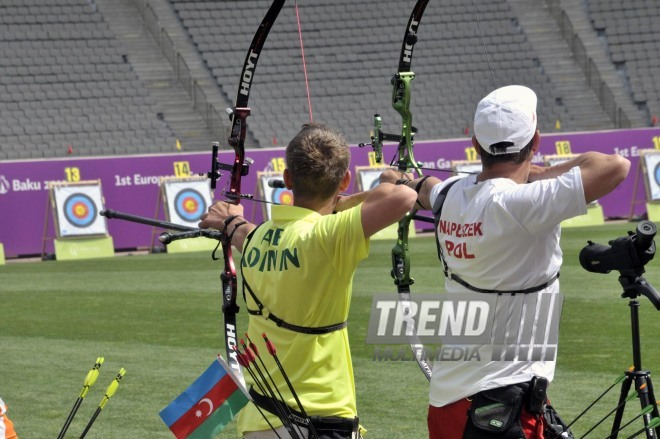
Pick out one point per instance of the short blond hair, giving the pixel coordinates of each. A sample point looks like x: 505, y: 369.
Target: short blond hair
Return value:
x: 317, y: 159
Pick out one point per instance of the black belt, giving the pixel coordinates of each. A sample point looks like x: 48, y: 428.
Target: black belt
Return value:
x: 535, y: 289
x: 290, y: 326
x: 320, y: 423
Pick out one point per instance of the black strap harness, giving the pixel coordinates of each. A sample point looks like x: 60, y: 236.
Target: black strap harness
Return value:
x: 437, y: 211
x: 321, y: 423
x: 266, y: 313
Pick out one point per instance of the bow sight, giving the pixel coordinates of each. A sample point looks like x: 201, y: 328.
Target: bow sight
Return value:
x: 378, y: 137
x: 214, y: 174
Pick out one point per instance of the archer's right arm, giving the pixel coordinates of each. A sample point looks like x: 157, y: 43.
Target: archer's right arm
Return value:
x: 601, y: 173
x: 385, y: 204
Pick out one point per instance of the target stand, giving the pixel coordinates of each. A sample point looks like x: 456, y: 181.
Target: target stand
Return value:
x: 2, y: 254
x: 270, y: 193
x: 366, y: 177
x: 653, y: 211
x: 81, y: 233
x: 649, y: 166
x: 184, y: 199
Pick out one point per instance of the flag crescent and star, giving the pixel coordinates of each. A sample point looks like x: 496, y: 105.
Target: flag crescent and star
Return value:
x: 210, y: 403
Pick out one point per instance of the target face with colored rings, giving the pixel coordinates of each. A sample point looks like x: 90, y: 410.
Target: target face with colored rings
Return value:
x: 189, y: 205
x: 80, y: 210
x: 282, y: 196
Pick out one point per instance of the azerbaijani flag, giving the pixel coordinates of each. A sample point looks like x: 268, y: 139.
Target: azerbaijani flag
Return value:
x: 208, y: 405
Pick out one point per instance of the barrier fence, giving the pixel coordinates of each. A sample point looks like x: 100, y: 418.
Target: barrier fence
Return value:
x: 131, y: 183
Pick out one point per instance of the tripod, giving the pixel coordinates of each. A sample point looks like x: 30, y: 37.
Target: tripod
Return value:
x: 634, y: 285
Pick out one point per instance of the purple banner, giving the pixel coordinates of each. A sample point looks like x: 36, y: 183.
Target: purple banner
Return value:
x: 130, y: 184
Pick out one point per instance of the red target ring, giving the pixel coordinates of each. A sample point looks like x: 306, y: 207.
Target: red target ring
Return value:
x: 282, y: 196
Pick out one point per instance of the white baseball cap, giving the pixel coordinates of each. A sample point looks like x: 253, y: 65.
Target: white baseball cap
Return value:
x: 507, y: 114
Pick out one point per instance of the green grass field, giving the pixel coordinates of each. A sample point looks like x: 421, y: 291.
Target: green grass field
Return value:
x: 159, y: 317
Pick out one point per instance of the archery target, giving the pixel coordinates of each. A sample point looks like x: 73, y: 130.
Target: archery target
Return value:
x: 186, y: 201
x: 652, y: 168
x: 466, y: 167
x: 273, y: 195
x: 282, y: 196
x: 368, y: 177
x: 77, y: 210
x: 189, y: 205
x: 552, y: 160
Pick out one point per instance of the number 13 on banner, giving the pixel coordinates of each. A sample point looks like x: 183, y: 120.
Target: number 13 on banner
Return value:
x: 72, y: 174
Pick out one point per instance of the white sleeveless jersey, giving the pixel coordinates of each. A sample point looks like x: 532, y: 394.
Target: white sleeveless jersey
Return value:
x: 499, y: 235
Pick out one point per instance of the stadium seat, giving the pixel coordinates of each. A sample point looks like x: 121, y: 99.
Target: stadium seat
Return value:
x: 629, y: 32
x: 353, y: 62
x: 62, y: 56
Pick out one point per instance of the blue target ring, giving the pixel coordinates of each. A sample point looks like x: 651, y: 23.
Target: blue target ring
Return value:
x: 80, y: 210
x: 656, y: 173
x: 189, y: 205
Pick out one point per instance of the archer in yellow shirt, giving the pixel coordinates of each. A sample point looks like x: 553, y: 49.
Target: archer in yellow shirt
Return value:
x: 299, y: 269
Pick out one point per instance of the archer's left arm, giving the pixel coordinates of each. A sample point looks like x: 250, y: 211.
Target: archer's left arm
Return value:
x: 228, y: 218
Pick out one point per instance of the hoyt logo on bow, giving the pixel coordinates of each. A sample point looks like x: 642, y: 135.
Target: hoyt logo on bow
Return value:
x: 409, y: 42
x: 247, y: 73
